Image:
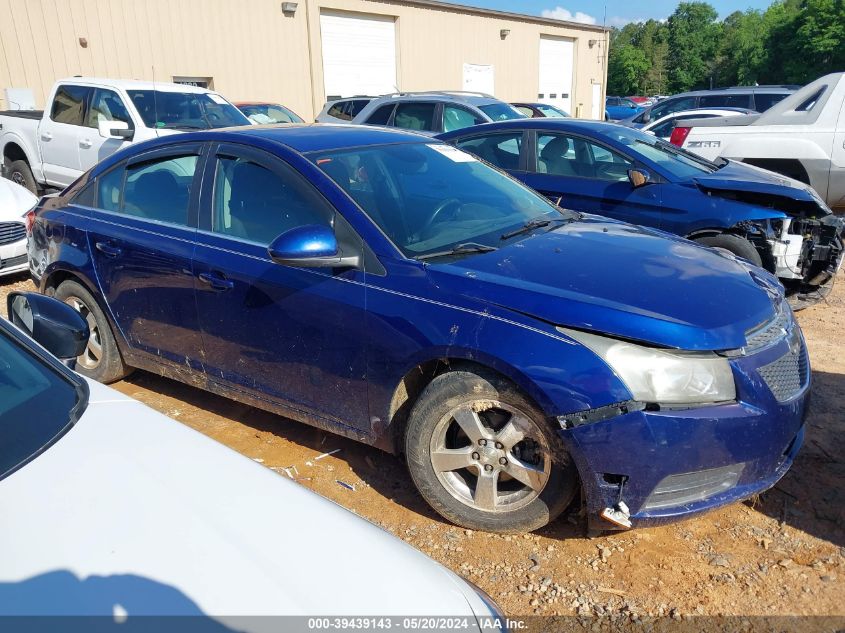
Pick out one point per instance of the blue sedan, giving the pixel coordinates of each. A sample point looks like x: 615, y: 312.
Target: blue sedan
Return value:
x: 615, y: 171
x: 400, y: 292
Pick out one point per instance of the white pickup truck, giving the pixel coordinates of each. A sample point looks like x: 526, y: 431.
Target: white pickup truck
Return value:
x: 802, y: 137
x: 89, y: 119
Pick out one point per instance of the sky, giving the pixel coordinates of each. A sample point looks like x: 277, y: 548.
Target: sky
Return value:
x: 619, y: 12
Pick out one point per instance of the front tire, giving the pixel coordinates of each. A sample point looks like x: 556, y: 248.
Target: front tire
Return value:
x: 735, y: 244
x: 101, y: 360
x: 484, y: 457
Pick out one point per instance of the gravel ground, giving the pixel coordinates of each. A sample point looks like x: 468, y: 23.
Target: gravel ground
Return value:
x: 782, y: 553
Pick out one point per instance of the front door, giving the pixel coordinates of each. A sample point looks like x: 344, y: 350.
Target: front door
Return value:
x: 282, y: 333
x: 590, y: 177
x: 141, y: 238
x: 105, y: 105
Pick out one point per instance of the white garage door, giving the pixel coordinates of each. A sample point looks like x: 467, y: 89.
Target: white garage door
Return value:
x: 359, y: 54
x: 556, y: 64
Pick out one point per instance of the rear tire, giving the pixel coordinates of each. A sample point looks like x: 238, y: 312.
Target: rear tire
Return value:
x: 735, y: 244
x: 501, y: 468
x: 101, y: 360
x: 20, y: 173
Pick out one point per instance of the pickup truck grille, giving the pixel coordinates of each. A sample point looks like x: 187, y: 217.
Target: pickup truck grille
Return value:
x: 11, y: 232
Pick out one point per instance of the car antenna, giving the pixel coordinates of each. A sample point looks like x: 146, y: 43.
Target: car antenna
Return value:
x: 155, y: 101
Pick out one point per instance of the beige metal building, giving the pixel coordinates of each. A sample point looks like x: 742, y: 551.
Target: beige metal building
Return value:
x: 300, y: 53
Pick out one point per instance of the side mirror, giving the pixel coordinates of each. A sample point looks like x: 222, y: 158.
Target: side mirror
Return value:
x: 115, y: 129
x: 639, y: 177
x: 54, y: 325
x: 310, y: 246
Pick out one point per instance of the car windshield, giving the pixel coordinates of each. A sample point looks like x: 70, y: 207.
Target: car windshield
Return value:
x: 677, y: 162
x: 501, y: 112
x: 37, y: 402
x: 430, y: 198
x: 185, y: 110
x: 268, y: 113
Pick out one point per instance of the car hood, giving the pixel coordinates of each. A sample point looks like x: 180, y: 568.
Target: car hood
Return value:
x: 626, y: 281
x: 131, y: 511
x: 14, y: 201
x: 766, y: 188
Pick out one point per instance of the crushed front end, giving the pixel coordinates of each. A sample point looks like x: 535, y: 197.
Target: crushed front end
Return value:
x: 646, y: 464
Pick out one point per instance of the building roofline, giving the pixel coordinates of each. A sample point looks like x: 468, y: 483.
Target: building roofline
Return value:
x: 505, y: 15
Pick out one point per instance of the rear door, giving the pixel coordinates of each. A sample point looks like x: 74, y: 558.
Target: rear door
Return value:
x: 282, y: 333
x: 589, y: 176
x: 141, y: 234
x: 59, y: 134
x: 105, y: 105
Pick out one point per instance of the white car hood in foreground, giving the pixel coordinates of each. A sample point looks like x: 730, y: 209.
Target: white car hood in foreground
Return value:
x: 131, y: 512
x: 14, y: 201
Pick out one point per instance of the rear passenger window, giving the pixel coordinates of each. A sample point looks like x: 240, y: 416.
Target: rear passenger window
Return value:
x: 763, y: 102
x: 356, y: 106
x: 338, y: 111
x: 160, y: 189
x: 501, y: 150
x: 415, y: 116
x: 254, y: 203
x: 381, y: 116
x: 69, y: 104
x: 725, y: 101
x: 109, y: 186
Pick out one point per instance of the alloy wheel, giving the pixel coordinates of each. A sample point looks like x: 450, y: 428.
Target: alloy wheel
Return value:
x: 93, y: 354
x: 490, y: 456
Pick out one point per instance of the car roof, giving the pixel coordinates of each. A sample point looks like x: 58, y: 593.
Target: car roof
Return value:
x: 133, y: 84
x: 300, y: 137
x: 573, y: 125
x: 445, y: 96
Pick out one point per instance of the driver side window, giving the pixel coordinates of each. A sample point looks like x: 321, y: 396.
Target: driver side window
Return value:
x: 562, y: 155
x: 255, y: 203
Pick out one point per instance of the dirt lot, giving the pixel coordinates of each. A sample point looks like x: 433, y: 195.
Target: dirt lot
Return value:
x: 782, y: 554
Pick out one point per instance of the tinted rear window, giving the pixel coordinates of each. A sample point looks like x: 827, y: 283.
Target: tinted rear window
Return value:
x: 725, y: 101
x: 382, y: 115
x: 763, y: 102
x: 69, y: 104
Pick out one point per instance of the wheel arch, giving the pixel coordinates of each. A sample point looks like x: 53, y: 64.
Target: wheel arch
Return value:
x: 12, y: 151
x: 409, y: 388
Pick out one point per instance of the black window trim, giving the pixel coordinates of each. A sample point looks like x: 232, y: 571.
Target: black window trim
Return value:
x: 76, y: 381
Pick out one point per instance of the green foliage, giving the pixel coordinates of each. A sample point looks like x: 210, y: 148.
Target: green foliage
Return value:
x: 793, y: 41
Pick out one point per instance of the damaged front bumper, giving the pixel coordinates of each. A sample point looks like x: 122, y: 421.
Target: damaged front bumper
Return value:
x: 648, y: 466
x: 807, y: 253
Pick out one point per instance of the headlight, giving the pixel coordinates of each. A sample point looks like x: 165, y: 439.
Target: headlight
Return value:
x: 663, y: 376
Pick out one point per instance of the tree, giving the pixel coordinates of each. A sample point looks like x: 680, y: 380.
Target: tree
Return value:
x: 626, y: 69
x: 694, y: 34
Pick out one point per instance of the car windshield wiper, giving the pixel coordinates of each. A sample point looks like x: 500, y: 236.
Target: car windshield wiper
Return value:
x: 459, y: 249
x: 536, y: 223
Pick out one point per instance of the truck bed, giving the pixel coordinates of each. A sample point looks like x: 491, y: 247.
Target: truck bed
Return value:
x: 23, y: 114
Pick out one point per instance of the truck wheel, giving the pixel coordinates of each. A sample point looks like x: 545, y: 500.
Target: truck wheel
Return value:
x: 735, y: 244
x: 101, y: 360
x: 20, y: 173
x: 484, y: 457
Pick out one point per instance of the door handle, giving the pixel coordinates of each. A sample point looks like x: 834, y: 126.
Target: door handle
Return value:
x: 108, y: 250
x: 46, y: 136
x: 216, y: 281
x: 85, y: 143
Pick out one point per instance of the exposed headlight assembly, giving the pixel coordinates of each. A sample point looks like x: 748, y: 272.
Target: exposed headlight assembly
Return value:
x: 663, y: 376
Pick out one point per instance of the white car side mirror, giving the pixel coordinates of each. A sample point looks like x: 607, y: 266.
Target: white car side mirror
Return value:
x: 115, y: 129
